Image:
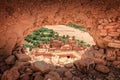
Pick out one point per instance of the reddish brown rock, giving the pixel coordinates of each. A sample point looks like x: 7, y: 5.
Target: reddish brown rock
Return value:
x: 68, y: 74
x: 3, y: 67
x: 116, y: 41
x: 115, y: 45
x: 107, y: 38
x: 110, y: 56
x: 18, y: 20
x: 69, y: 65
x: 42, y: 66
x: 99, y: 55
x: 118, y: 30
x: 75, y: 47
x: 55, y: 44
x: 103, y: 33
x: 118, y: 58
x: 100, y: 61
x: 51, y: 49
x: 14, y: 52
x: 25, y: 77
x: 73, y: 42
x: 98, y: 79
x: 101, y: 51
x: 23, y: 57
x: 28, y: 69
x: 111, y: 30
x: 37, y: 76
x: 76, y: 78
x: 61, y: 70
x: 109, y: 27
x: 11, y: 74
x: 18, y: 26
x: 111, y: 76
x: 66, y: 48
x: 85, y: 78
x: 116, y: 64
x: 102, y: 68
x: 52, y: 76
x: 117, y: 51
x: 84, y: 64
x: 10, y: 60
x: 100, y: 27
x: 114, y: 34
x: 65, y: 78
x: 20, y: 64
x: 2, y: 64
x: 109, y: 63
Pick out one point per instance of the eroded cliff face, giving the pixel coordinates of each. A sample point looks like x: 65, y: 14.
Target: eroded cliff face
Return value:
x: 18, y: 18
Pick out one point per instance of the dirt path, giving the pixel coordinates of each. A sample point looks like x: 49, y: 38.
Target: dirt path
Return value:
x: 65, y: 30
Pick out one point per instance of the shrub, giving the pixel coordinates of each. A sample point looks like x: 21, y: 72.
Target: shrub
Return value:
x: 44, y: 35
x: 77, y: 27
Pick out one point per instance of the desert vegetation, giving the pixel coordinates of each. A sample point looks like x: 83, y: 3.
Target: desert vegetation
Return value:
x: 77, y: 27
x: 48, y: 54
x: 44, y: 35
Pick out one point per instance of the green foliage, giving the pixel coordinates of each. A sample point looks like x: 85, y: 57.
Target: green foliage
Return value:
x: 64, y: 39
x: 77, y: 27
x: 79, y: 42
x: 56, y: 35
x: 29, y: 46
x: 44, y: 35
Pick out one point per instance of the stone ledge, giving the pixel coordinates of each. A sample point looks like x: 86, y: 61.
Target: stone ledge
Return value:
x: 114, y: 45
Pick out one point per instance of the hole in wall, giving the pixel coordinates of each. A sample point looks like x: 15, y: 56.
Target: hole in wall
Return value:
x: 61, y: 43
x: 64, y: 55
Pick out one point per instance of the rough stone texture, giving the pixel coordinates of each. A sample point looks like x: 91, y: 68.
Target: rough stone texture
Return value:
x: 23, y: 57
x: 116, y: 64
x: 11, y: 74
x: 115, y: 45
x: 37, y: 76
x: 102, y: 68
x: 55, y: 44
x: 25, y: 77
x: 83, y: 65
x: 110, y: 55
x: 20, y: 17
x: 92, y: 66
x: 42, y: 66
x: 10, y: 60
x: 100, y: 61
x: 66, y: 47
x: 52, y: 76
x: 68, y: 74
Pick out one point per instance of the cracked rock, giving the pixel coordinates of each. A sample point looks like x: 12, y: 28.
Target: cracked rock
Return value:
x: 42, y: 66
x: 23, y: 57
x: 10, y: 60
x: 102, y: 68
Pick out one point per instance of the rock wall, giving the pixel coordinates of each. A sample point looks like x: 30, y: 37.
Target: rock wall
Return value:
x: 20, y: 17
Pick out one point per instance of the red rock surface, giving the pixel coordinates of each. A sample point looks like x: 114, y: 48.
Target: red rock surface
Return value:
x: 19, y: 18
x: 11, y: 74
x: 102, y: 68
x: 23, y: 57
x: 98, y: 63
x: 42, y: 66
x: 10, y: 60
